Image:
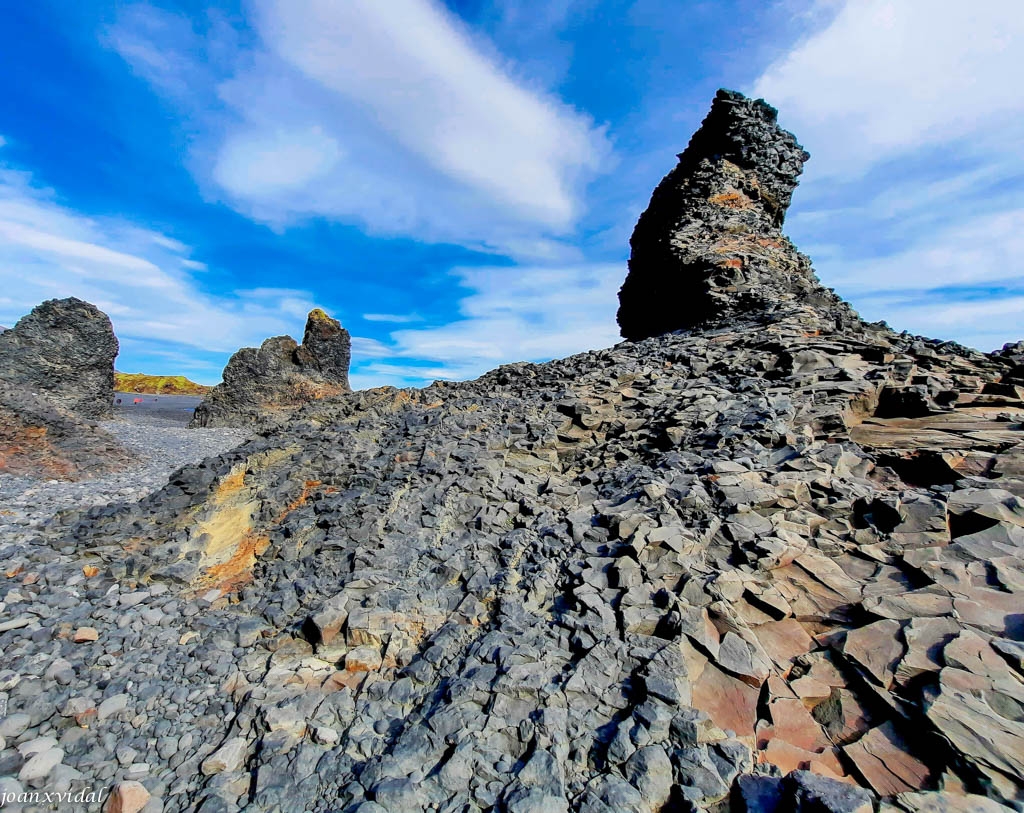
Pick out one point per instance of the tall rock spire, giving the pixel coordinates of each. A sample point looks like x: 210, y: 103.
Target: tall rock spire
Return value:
x: 709, y: 244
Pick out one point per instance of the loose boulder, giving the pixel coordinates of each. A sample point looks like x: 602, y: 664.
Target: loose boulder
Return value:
x: 280, y: 375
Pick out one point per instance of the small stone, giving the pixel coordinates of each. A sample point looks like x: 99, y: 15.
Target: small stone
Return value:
x: 112, y: 706
x: 40, y: 765
x: 127, y: 797
x: 809, y: 791
x: 14, y: 725
x: 85, y: 634
x: 228, y: 758
x: 364, y: 658
x: 326, y: 736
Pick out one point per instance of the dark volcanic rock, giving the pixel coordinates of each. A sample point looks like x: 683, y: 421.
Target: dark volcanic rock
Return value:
x: 659, y: 576
x: 42, y: 440
x: 64, y: 351
x: 279, y: 376
x: 709, y: 247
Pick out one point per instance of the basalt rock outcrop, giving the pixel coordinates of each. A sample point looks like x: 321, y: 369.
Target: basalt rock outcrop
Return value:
x: 771, y: 562
x: 266, y: 382
x: 63, y: 351
x: 56, y: 378
x: 710, y: 246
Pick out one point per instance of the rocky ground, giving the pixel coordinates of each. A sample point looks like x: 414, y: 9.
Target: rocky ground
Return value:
x: 157, y: 443
x: 771, y: 562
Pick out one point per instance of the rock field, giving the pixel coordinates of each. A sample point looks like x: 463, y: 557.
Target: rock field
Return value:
x: 772, y: 561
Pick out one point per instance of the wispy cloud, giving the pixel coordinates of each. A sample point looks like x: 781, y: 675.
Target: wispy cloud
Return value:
x: 140, y: 278
x: 886, y: 77
x: 397, y: 318
x: 392, y: 116
x: 910, y: 201
x: 533, y: 314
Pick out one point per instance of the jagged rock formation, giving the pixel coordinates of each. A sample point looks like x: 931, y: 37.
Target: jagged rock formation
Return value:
x: 776, y: 563
x: 41, y: 440
x: 64, y: 351
x: 264, y: 383
x: 710, y: 244
x: 56, y: 375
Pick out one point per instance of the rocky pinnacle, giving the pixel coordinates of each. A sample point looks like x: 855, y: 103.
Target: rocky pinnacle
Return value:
x: 709, y: 245
x: 280, y: 375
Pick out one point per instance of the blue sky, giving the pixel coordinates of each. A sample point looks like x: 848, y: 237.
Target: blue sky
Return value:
x: 457, y: 182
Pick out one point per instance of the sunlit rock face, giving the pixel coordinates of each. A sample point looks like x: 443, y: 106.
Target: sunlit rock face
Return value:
x: 63, y: 351
x: 266, y: 382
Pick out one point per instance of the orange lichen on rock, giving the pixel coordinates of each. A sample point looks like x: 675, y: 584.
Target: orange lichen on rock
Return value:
x: 732, y: 199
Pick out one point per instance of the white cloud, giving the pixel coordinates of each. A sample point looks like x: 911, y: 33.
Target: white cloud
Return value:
x: 985, y: 324
x: 132, y: 274
x: 390, y: 115
x: 887, y: 77
x: 525, y: 314
x: 260, y: 165
x: 364, y: 348
x: 397, y: 318
x: 910, y: 202
x: 985, y: 250
x: 949, y: 281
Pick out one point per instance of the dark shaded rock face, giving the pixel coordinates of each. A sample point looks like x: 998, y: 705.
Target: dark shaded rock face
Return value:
x: 40, y: 439
x: 772, y: 565
x: 63, y: 350
x: 709, y: 247
x: 265, y: 383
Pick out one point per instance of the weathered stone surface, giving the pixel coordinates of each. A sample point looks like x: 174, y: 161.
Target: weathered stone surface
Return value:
x: 63, y: 351
x: 269, y: 381
x: 663, y: 571
x: 883, y: 758
x: 810, y: 792
x: 939, y: 802
x: 56, y: 375
x: 228, y: 758
x: 709, y: 244
x: 127, y: 797
x: 42, y: 440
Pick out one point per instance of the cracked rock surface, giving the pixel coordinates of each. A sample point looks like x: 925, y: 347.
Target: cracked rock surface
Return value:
x: 774, y: 561
x: 267, y: 382
x: 62, y: 351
